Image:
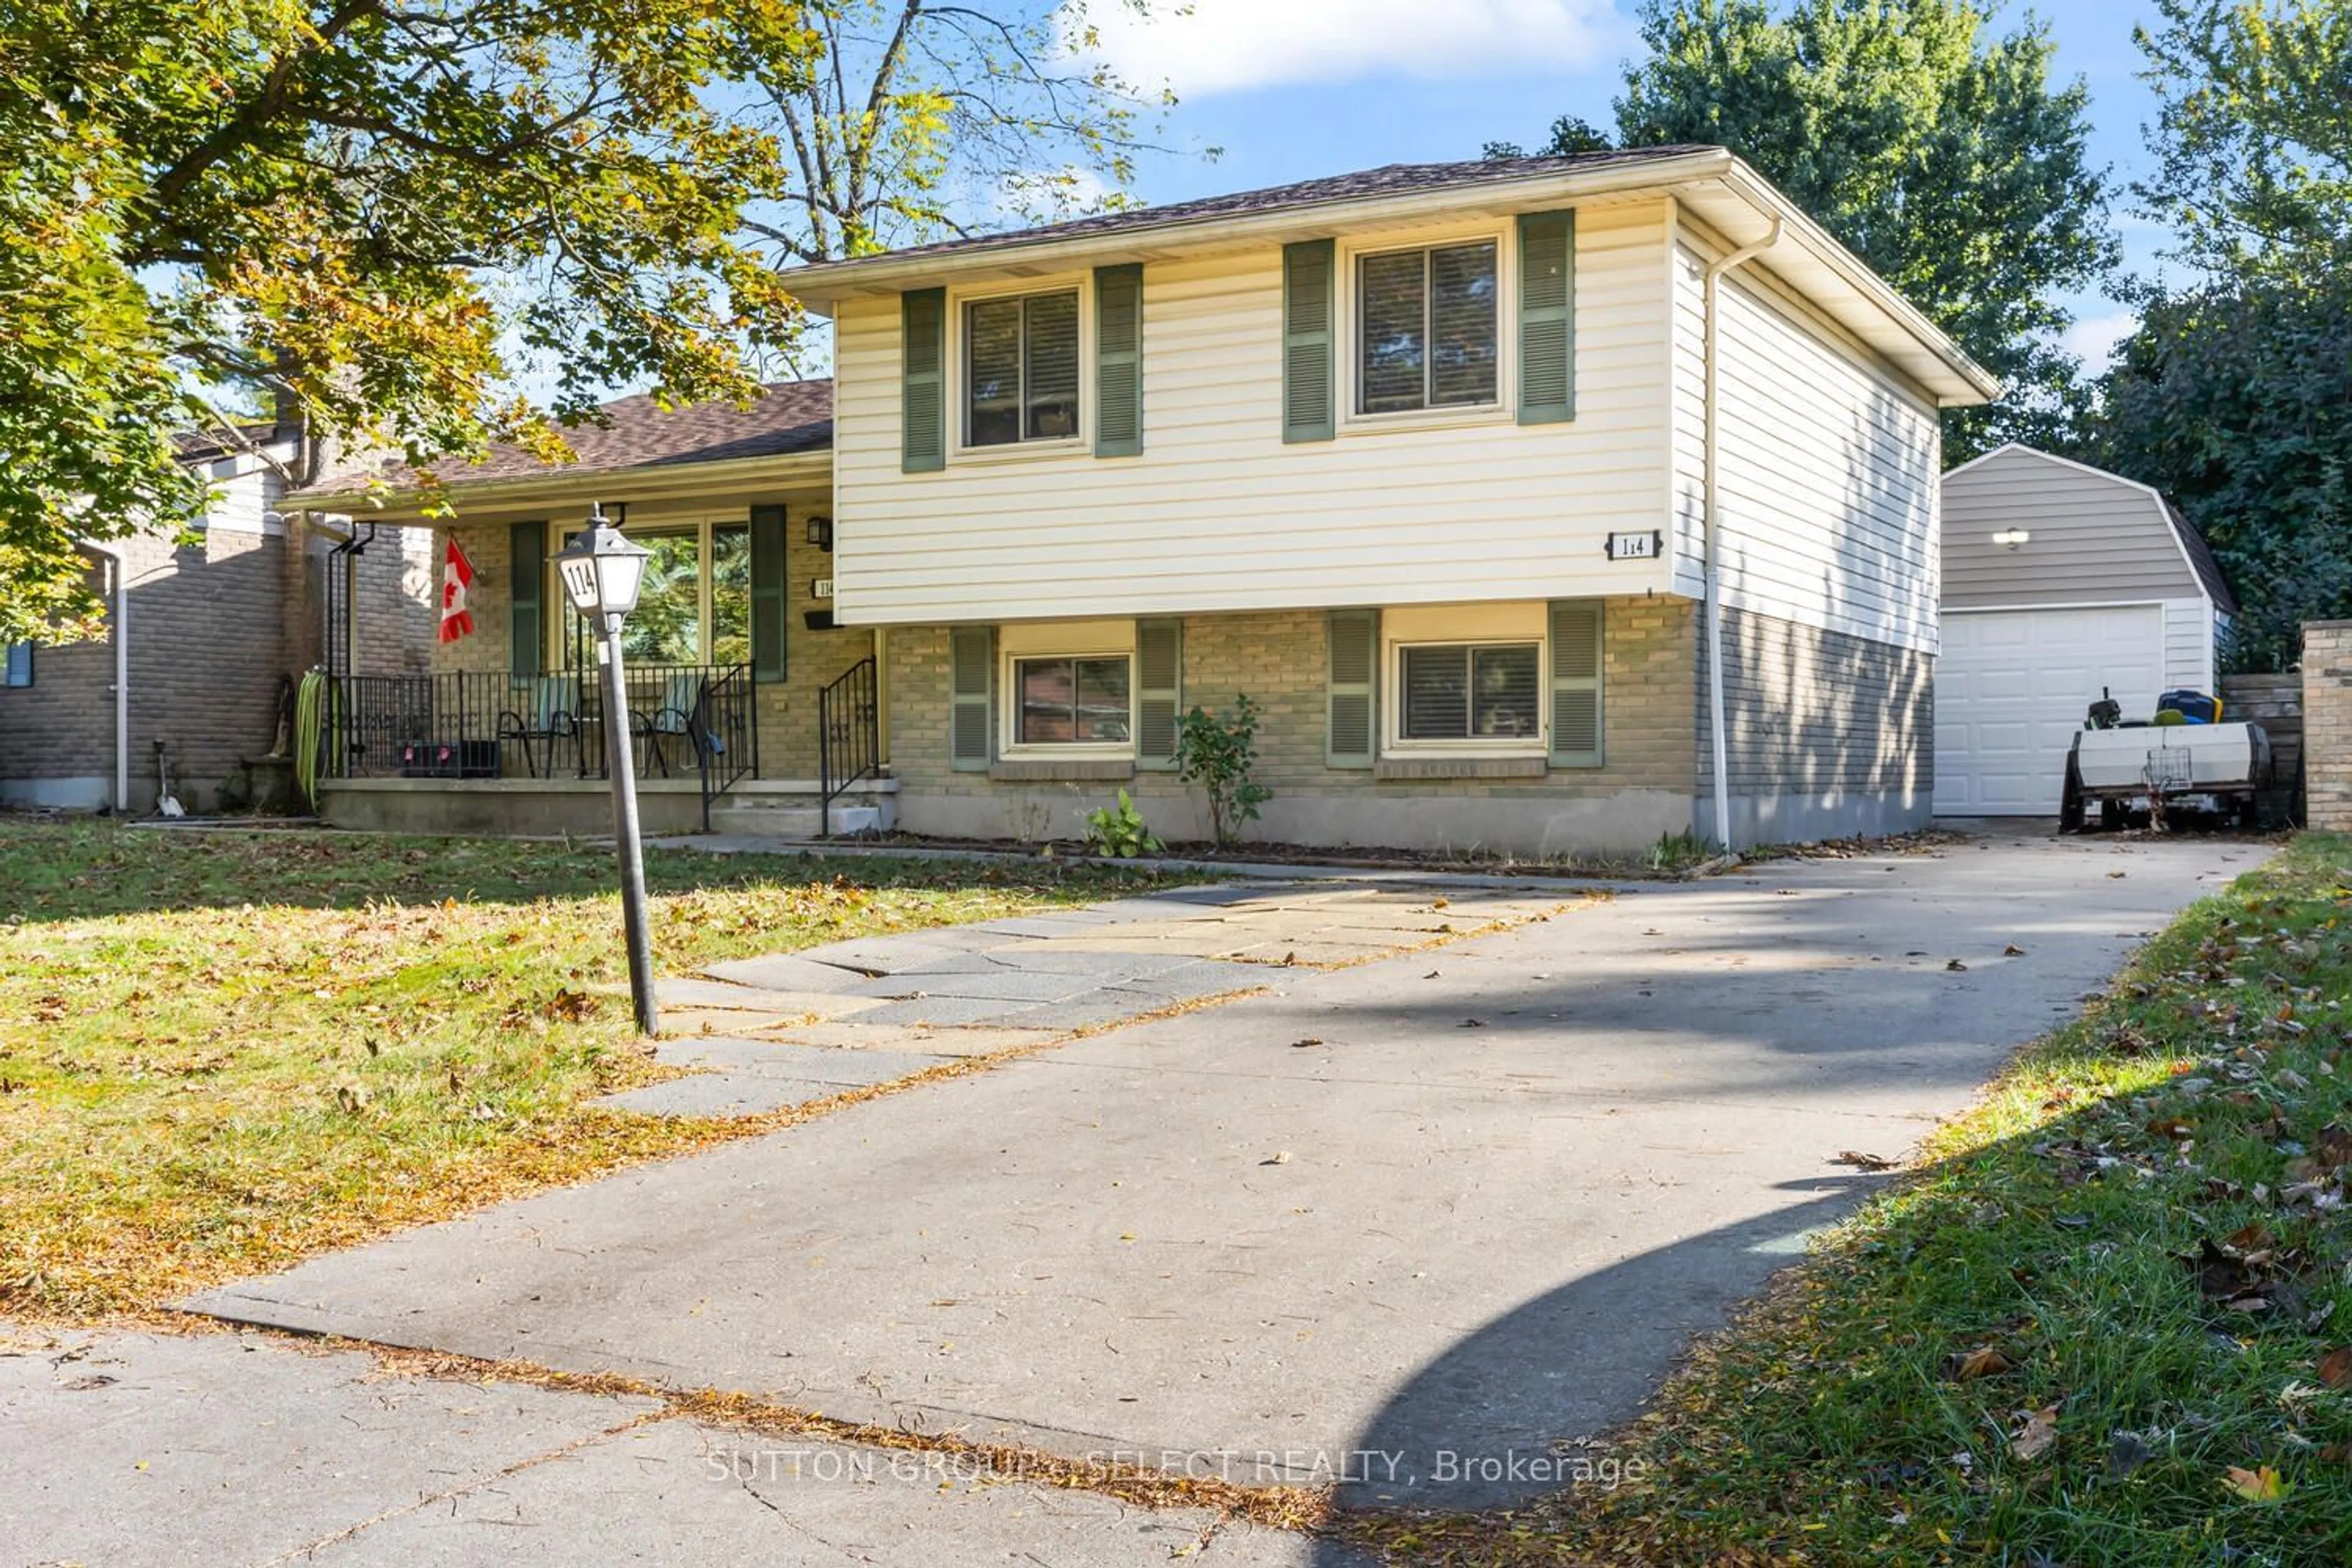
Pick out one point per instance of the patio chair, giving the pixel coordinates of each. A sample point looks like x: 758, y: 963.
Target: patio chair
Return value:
x: 550, y: 713
x: 680, y: 714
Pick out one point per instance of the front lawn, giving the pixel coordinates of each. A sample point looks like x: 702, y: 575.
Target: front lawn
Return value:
x: 220, y: 1052
x: 2107, y: 1321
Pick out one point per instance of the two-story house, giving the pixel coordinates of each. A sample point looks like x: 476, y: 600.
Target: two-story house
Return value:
x: 1464, y: 473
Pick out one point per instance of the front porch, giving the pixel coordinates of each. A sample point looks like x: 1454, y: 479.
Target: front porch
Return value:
x: 496, y: 752
x: 582, y: 808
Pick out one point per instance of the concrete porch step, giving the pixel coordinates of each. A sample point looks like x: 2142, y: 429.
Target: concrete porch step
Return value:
x: 797, y: 815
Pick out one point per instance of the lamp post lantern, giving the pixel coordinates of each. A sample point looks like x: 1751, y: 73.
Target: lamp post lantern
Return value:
x: 601, y: 571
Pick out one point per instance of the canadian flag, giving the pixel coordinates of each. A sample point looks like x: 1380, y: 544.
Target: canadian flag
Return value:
x: 457, y: 577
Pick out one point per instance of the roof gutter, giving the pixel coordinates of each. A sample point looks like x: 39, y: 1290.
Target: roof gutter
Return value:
x: 560, y: 483
x: 1712, y: 503
x: 113, y: 554
x: 1827, y: 249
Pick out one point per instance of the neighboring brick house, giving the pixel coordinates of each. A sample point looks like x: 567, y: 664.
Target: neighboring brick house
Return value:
x: 217, y: 624
x: 2327, y: 724
x: 1424, y: 460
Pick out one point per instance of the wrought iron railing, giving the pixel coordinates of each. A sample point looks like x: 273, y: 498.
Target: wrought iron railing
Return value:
x: 848, y: 737
x: 684, y: 721
x: 731, y: 728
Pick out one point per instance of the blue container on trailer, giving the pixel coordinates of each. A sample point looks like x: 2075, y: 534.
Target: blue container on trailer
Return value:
x: 2194, y: 707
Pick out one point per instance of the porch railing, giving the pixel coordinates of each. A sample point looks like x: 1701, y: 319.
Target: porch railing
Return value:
x: 731, y: 724
x: 848, y: 737
x: 684, y: 721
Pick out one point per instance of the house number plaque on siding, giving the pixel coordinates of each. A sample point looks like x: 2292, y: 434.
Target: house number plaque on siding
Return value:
x: 1640, y: 546
x: 821, y: 588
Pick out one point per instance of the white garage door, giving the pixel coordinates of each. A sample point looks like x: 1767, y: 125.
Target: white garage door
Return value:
x: 2010, y: 689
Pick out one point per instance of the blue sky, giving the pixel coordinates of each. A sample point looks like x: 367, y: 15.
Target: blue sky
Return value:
x: 1293, y: 88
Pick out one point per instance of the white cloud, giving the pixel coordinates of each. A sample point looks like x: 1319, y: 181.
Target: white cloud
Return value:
x: 1224, y: 46
x: 2093, y: 339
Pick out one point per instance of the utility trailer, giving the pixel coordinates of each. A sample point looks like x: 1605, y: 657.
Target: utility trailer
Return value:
x: 2161, y: 768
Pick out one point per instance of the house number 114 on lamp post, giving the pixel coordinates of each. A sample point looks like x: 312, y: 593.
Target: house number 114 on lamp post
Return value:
x: 601, y: 571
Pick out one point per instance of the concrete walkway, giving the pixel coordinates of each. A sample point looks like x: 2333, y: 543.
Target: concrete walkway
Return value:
x: 132, y: 1450
x: 761, y: 1034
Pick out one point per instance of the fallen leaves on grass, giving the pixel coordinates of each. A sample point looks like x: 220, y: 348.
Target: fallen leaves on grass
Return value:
x: 2126, y: 1452
x: 2263, y: 1484
x: 2032, y: 1440
x: 192, y: 1108
x: 1985, y: 1361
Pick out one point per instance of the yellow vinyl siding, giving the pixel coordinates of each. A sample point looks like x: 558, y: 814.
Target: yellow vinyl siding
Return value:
x: 1828, y: 466
x: 1217, y: 513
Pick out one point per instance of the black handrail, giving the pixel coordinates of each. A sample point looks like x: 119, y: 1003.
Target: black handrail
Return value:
x: 727, y: 733
x: 848, y: 736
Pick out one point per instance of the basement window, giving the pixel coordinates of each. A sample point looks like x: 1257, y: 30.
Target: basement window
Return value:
x: 1471, y: 692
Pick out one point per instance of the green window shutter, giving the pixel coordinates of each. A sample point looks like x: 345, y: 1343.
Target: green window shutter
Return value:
x: 1547, y: 317
x: 923, y: 388
x: 1307, y: 376
x: 527, y: 598
x: 769, y: 600
x: 1118, y: 361
x: 971, y: 718
x: 1575, y: 664
x: 1353, y: 689
x: 1159, y: 691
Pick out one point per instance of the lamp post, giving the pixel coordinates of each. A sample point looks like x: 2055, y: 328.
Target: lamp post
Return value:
x: 601, y: 571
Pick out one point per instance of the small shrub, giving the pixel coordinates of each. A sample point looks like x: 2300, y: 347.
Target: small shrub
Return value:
x: 1216, y: 752
x: 1118, y: 830
x: 1680, y: 851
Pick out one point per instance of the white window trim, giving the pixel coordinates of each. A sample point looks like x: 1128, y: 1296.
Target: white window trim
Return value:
x: 1009, y: 742
x: 959, y: 301
x: 1393, y: 740
x: 1503, y: 410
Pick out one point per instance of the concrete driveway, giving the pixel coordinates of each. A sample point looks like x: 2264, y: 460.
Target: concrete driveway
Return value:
x: 1416, y: 1226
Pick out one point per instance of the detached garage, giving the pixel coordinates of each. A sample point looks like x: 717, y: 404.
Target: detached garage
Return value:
x: 2061, y: 581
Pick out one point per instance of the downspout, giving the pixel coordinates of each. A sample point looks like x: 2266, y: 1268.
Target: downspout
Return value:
x: 113, y: 555
x: 1712, y: 512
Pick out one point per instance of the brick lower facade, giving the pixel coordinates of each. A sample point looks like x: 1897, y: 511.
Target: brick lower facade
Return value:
x: 1825, y: 734
x: 2327, y: 724
x: 1829, y: 735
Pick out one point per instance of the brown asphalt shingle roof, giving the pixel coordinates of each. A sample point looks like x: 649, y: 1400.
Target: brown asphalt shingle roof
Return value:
x: 1388, y: 180
x: 790, y: 417
x: 195, y: 445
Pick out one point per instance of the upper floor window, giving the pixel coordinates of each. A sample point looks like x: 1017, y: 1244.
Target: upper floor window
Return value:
x: 1427, y: 329
x: 18, y: 658
x: 1021, y: 369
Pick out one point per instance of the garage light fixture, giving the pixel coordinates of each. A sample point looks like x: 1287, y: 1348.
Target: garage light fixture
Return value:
x: 2010, y: 538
